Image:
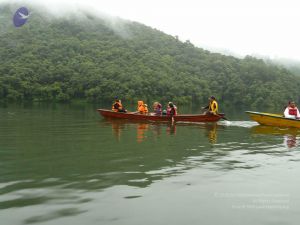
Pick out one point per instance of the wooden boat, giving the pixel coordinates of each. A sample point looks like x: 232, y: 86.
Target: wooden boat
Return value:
x: 150, y: 117
x: 271, y: 119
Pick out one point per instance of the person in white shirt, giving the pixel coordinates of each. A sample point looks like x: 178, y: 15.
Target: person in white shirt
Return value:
x: 291, y: 111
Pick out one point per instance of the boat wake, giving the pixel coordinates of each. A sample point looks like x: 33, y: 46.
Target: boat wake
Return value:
x: 246, y: 124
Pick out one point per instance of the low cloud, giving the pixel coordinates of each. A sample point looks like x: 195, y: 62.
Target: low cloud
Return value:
x: 67, y: 9
x: 59, y: 8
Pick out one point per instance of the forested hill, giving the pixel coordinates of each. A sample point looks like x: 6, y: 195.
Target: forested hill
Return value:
x: 60, y: 59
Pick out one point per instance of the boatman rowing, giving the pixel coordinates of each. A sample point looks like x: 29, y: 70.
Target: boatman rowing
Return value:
x: 212, y: 108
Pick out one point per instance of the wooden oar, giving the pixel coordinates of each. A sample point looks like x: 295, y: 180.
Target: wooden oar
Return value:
x: 223, y: 117
x: 219, y: 115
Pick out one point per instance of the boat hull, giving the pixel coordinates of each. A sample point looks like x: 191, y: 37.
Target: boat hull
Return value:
x: 271, y: 119
x: 148, y: 117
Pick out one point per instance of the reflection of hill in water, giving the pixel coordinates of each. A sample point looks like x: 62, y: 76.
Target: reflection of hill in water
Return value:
x: 58, y: 160
x: 110, y: 153
x: 86, y: 155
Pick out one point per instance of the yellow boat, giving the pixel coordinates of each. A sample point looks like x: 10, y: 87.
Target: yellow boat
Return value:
x: 271, y: 119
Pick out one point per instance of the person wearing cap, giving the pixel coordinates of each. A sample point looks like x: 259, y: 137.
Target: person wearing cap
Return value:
x: 212, y: 107
x: 291, y: 111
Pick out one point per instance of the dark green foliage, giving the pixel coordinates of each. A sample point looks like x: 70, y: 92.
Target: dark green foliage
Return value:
x: 58, y: 59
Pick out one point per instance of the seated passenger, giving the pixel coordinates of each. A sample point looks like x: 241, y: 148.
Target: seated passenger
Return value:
x: 117, y: 106
x: 291, y: 111
x: 142, y: 108
x: 145, y: 108
x: 171, y: 109
x: 157, y: 108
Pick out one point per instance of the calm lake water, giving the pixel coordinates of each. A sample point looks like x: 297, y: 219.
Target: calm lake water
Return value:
x: 65, y: 164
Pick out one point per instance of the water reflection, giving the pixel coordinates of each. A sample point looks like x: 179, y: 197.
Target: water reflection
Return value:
x: 141, y: 132
x: 171, y: 129
x: 212, y: 133
x: 178, y: 147
x: 290, y: 135
x: 290, y: 141
x: 117, y: 128
x: 143, y: 129
x: 81, y: 168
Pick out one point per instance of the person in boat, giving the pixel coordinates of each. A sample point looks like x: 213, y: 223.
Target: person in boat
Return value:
x: 212, y: 108
x: 171, y: 109
x: 117, y: 106
x: 142, y: 107
x: 157, y: 108
x: 291, y: 111
x: 146, y: 108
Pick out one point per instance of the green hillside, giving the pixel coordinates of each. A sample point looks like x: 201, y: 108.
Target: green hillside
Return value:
x: 85, y: 57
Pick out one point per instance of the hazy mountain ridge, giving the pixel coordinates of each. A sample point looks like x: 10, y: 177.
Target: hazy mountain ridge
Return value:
x: 59, y: 59
x: 290, y: 64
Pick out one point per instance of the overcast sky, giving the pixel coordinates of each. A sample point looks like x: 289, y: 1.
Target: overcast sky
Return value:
x: 264, y: 27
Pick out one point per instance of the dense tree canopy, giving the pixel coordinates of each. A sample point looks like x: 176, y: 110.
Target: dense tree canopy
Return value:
x: 85, y: 57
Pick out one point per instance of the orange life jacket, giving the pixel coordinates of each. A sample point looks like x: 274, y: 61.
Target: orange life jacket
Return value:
x: 116, y: 106
x: 142, y: 108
